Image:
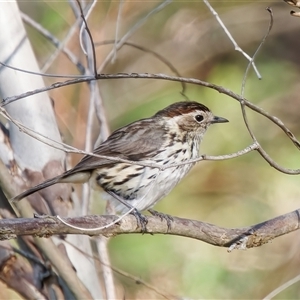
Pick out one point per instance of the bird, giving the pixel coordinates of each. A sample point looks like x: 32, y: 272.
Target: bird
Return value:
x: 171, y: 136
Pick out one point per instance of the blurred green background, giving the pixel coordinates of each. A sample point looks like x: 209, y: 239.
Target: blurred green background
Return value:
x: 233, y: 193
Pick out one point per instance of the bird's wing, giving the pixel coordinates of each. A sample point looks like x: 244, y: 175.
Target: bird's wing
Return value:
x: 137, y: 141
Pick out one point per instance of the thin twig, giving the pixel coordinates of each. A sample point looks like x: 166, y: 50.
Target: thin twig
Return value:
x: 57, y: 43
x: 90, y: 53
x: 242, y: 103
x: 90, y: 38
x: 101, y: 116
x: 137, y: 280
x: 108, y: 276
x: 220, y: 89
x: 92, y: 68
x: 39, y: 74
x: 282, y: 288
x: 96, y: 103
x: 113, y: 59
x: 155, y: 54
x: 69, y: 149
x: 131, y: 32
x: 87, y: 15
x: 236, y: 46
x: 257, y: 50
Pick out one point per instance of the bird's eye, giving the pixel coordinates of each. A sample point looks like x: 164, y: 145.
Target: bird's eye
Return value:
x: 199, y: 118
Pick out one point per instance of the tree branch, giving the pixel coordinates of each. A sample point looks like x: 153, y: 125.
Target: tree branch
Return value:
x: 235, y: 238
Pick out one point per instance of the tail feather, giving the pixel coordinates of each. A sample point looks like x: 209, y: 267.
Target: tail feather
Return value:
x: 36, y: 188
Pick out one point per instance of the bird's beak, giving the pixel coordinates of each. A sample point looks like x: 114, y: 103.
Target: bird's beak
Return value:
x: 218, y: 120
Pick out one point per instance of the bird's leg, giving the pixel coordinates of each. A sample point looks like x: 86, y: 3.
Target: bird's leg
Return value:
x: 141, y: 220
x: 162, y: 216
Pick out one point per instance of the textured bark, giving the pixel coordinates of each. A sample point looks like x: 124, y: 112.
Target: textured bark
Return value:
x: 232, y: 238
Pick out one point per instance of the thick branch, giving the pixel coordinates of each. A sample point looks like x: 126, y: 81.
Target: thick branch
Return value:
x: 247, y: 237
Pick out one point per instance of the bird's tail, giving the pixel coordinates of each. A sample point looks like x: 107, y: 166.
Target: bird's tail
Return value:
x: 36, y: 188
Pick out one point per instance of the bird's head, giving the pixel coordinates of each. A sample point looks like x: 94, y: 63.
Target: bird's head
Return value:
x: 189, y: 116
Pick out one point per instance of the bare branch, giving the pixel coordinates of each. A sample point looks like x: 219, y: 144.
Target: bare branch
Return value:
x: 131, y: 31
x: 155, y: 54
x: 282, y: 288
x: 257, y: 235
x: 69, y: 149
x: 90, y: 37
x: 236, y: 46
x: 118, y: 21
x: 39, y: 74
x: 220, y: 89
x: 56, y: 42
x: 257, y: 50
x: 90, y: 53
x: 136, y: 279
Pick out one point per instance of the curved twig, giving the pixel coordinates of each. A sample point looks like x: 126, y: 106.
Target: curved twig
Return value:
x: 155, y: 54
x: 220, y: 89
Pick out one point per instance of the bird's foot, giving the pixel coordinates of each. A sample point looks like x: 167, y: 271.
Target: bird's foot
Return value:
x: 162, y: 216
x: 142, y: 221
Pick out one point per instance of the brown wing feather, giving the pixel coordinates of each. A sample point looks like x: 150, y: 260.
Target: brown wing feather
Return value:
x: 131, y: 142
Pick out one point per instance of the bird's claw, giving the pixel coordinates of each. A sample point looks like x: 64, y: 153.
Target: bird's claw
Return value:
x: 162, y: 216
x: 142, y: 221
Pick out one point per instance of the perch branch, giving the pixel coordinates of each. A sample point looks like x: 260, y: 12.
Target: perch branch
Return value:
x: 236, y: 238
